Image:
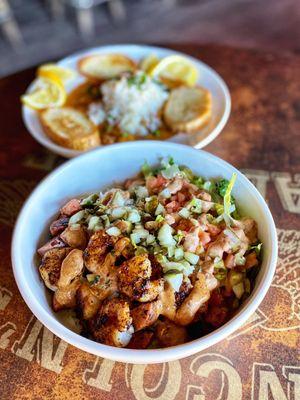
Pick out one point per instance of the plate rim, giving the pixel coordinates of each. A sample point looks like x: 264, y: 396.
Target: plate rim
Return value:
x: 124, y: 47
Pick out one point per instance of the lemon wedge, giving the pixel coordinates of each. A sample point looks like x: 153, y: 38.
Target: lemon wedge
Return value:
x: 64, y: 74
x: 149, y: 62
x: 176, y: 68
x: 47, y: 92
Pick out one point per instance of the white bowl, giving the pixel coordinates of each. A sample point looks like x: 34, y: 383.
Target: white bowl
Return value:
x: 208, y: 78
x: 100, y: 168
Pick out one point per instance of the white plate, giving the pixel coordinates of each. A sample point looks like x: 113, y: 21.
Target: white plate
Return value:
x: 98, y: 169
x: 208, y: 78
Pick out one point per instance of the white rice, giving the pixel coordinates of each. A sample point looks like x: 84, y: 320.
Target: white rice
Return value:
x: 133, y: 106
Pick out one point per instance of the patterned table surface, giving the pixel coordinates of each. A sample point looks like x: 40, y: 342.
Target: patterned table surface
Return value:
x: 259, y: 361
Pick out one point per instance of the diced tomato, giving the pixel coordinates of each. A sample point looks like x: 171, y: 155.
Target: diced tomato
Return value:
x: 155, y: 184
x: 181, y: 197
x: 213, y: 229
x: 185, y: 225
x: 204, y: 237
x: 173, y: 206
x: 58, y: 225
x: 53, y: 243
x: 72, y: 207
x: 161, y: 181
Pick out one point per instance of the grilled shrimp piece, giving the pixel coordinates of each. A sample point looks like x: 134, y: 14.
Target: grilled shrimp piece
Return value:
x: 198, y: 296
x: 191, y: 240
x: 112, y: 324
x: 51, y: 266
x: 65, y: 297
x: 145, y: 314
x: 87, y: 302
x: 249, y: 227
x: 211, y: 281
x: 69, y: 280
x: 168, y: 300
x: 54, y: 243
x: 121, y: 246
x: 75, y: 236
x: 203, y: 195
x: 90, y: 295
x: 140, y: 340
x: 134, y: 279
x: 71, y: 267
x: 71, y: 207
x: 175, y: 186
x: 99, y: 245
x: 219, y: 246
x: 170, y: 334
x: 59, y: 225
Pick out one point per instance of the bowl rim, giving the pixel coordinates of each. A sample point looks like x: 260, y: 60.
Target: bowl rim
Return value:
x: 150, y: 356
x: 70, y: 153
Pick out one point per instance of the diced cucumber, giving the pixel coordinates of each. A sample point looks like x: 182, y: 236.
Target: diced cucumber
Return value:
x: 178, y: 253
x: 160, y: 209
x: 94, y: 220
x: 118, y: 212
x: 113, y: 231
x: 191, y: 257
x: 134, y: 216
x: 79, y: 216
x: 141, y: 192
x: 184, y: 213
x: 174, y: 279
x: 165, y: 236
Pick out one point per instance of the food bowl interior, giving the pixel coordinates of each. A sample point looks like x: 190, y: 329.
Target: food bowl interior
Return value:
x: 101, y: 168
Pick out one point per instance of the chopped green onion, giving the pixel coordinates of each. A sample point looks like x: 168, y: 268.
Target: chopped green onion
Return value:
x: 187, y: 172
x: 220, y: 271
x: 159, y: 218
x: 198, y: 181
x: 257, y: 248
x: 146, y: 170
x: 93, y: 279
x: 90, y: 200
